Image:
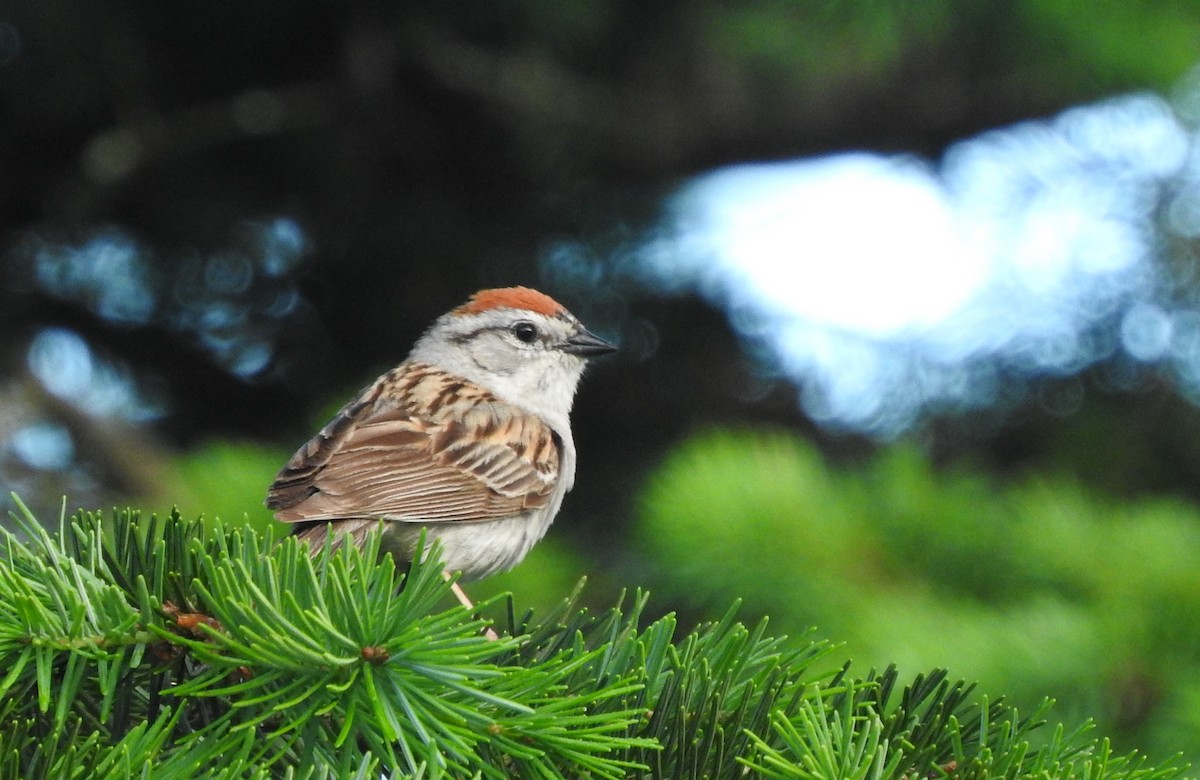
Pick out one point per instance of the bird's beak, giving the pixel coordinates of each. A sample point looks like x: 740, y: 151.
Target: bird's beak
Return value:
x: 586, y: 344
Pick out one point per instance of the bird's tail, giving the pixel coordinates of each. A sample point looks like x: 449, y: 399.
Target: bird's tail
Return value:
x: 335, y: 532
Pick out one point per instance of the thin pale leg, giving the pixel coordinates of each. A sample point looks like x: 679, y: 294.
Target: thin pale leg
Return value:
x: 461, y: 595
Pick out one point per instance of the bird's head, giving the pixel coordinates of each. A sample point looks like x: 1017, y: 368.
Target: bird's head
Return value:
x: 520, y: 344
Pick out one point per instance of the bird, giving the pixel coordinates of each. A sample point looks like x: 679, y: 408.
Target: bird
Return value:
x: 468, y: 440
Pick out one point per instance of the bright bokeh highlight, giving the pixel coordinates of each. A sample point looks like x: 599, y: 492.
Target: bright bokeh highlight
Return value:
x: 887, y: 286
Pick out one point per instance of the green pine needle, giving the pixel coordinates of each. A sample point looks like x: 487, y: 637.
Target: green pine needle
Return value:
x: 178, y: 648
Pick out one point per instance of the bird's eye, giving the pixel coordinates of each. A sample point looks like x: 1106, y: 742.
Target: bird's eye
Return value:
x: 525, y: 331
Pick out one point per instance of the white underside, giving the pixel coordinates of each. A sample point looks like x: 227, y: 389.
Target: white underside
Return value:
x: 477, y: 549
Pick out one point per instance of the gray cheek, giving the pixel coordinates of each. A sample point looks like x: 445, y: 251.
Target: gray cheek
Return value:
x: 493, y: 356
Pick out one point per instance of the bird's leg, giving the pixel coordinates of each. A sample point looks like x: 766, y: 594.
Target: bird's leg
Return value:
x: 461, y: 595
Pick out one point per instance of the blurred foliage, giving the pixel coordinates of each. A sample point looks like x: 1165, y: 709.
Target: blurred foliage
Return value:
x: 1104, y: 39
x: 225, y: 478
x: 1034, y: 588
x: 241, y: 210
x: 869, y: 40
x: 238, y: 214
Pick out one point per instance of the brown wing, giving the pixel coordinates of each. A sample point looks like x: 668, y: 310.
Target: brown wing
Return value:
x: 386, y: 456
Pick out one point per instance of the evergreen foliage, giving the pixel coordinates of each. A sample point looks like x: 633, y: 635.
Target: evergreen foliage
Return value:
x: 1033, y: 587
x: 175, y: 649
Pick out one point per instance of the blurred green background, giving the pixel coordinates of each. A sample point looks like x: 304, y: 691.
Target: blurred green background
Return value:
x: 219, y: 221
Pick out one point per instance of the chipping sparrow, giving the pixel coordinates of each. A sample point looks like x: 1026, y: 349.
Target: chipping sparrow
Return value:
x: 468, y: 438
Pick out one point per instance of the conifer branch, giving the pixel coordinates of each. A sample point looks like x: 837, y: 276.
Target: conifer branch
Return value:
x: 197, y: 650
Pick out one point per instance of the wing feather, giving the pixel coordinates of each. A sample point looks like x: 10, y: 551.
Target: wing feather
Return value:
x: 386, y: 455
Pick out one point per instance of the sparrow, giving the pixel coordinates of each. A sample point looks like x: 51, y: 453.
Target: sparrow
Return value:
x: 469, y: 440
